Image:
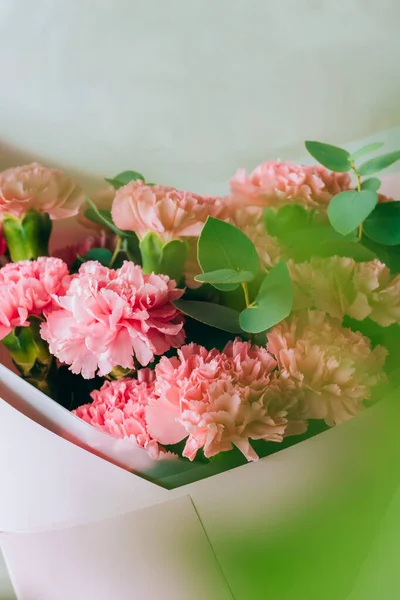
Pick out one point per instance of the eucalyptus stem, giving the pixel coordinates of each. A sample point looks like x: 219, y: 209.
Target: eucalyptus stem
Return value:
x: 246, y: 294
x: 116, y: 252
x: 358, y: 179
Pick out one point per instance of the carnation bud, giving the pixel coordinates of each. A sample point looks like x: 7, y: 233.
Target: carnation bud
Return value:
x: 27, y: 237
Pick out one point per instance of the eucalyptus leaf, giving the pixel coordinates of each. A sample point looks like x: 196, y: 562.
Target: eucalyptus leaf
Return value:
x: 379, y: 163
x: 102, y: 255
x: 130, y: 245
x: 151, y: 251
x: 225, y: 276
x: 348, y: 209
x: 215, y: 315
x: 101, y: 216
x: 223, y: 246
x: 373, y: 184
x: 383, y: 224
x: 273, y: 303
x: 366, y: 150
x: 332, y: 157
x: 173, y: 259
x: 124, y: 178
x: 290, y: 217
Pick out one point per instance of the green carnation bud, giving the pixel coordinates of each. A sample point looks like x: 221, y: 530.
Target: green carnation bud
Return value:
x: 28, y: 237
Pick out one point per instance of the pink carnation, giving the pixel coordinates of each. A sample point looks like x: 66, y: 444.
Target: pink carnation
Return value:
x: 333, y: 368
x: 340, y: 286
x: 119, y: 408
x: 218, y: 399
x: 277, y: 183
x: 3, y: 244
x: 70, y: 254
x: 26, y: 289
x: 36, y: 187
x: 169, y: 213
x: 107, y: 317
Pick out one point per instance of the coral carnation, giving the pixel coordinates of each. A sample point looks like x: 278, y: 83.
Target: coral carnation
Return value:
x: 170, y: 213
x: 218, y: 399
x: 109, y: 316
x: 36, y: 187
x: 26, y: 289
x: 334, y: 368
x: 277, y: 183
x: 119, y: 408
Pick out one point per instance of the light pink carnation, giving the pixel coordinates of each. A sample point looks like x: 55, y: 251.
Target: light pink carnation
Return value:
x: 218, y: 399
x: 36, y: 187
x: 340, y: 286
x: 69, y: 254
x: 107, y: 317
x: 277, y: 183
x: 119, y: 408
x: 333, y: 368
x: 26, y: 289
x: 169, y: 213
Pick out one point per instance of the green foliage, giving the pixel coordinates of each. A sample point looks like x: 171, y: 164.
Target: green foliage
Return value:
x: 379, y: 163
x: 173, y: 259
x: 272, y: 304
x: 286, y: 219
x: 332, y: 157
x: 223, y: 246
x: 383, y: 224
x: 214, y: 315
x: 102, y: 255
x: 347, y: 210
x: 27, y: 238
x: 151, y: 251
x: 373, y: 184
x: 366, y: 150
x: 123, y: 178
x: 225, y: 276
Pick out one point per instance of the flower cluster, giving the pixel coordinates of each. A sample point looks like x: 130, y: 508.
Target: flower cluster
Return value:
x: 170, y: 213
x: 106, y: 317
x: 27, y: 289
x: 340, y: 286
x: 277, y: 183
x: 334, y: 368
x: 36, y: 187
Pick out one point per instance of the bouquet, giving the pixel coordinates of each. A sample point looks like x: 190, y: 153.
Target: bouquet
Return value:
x: 183, y: 335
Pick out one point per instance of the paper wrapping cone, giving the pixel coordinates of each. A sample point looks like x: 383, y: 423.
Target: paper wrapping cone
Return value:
x: 77, y: 526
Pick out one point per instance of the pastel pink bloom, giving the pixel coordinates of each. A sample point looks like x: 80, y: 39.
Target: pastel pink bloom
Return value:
x: 119, y: 408
x: 169, y: 213
x: 333, y: 368
x: 217, y: 399
x: 340, y: 286
x: 277, y: 183
x: 26, y: 290
x: 109, y: 317
x: 36, y: 187
x: 69, y: 254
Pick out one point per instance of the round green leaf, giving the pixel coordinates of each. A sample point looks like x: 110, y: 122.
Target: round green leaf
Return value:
x: 151, y: 251
x: 102, y: 255
x: 215, y: 315
x: 273, y: 302
x: 379, y: 163
x: 173, y: 259
x: 223, y: 246
x: 383, y: 224
x: 332, y: 157
x: 225, y: 276
x: 348, y: 209
x: 366, y: 150
x: 373, y: 184
x: 123, y: 178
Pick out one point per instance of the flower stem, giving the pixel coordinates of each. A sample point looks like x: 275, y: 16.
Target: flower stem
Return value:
x: 246, y: 294
x: 358, y: 179
x: 116, y: 252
